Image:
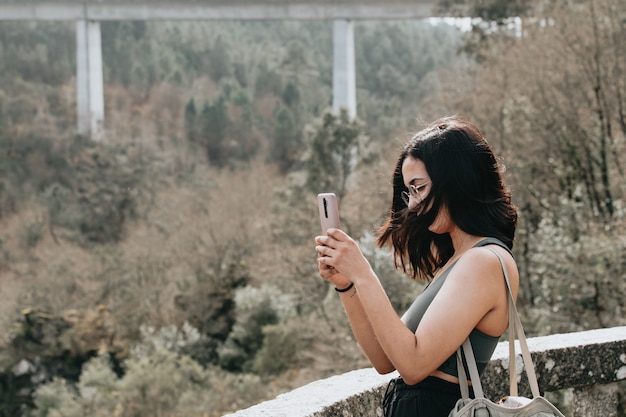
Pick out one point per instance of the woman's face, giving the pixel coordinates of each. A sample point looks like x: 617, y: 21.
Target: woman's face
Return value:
x: 417, y: 180
x: 415, y: 176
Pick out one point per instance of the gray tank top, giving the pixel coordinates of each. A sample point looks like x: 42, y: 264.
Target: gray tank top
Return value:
x: 483, y: 345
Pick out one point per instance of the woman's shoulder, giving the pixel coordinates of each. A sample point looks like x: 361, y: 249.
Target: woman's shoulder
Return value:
x: 486, y: 270
x: 493, y: 241
x: 480, y: 264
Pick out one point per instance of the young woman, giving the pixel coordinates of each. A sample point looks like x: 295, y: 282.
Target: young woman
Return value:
x: 449, y: 202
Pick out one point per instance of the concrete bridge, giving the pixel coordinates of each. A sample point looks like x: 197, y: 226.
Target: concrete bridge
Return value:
x: 590, y: 364
x: 89, y: 13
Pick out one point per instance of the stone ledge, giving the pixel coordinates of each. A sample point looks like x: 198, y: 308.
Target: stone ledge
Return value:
x: 570, y: 360
x: 561, y: 361
x: 355, y: 393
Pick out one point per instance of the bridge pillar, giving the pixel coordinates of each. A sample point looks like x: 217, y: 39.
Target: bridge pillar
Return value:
x: 344, y: 69
x: 89, y: 80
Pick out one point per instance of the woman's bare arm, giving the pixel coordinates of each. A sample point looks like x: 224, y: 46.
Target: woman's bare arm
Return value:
x: 472, y: 290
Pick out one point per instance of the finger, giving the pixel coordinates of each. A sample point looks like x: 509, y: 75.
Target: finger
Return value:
x: 336, y: 234
x: 326, y: 271
x: 323, y: 250
x: 331, y: 242
x: 324, y: 240
x: 322, y: 264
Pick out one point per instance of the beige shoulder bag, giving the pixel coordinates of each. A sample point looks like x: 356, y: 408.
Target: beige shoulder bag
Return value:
x: 511, y: 405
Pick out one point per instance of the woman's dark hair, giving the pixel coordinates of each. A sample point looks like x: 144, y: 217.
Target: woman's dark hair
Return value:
x: 466, y: 179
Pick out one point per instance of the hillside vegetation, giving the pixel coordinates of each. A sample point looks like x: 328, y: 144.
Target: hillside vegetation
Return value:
x: 169, y: 268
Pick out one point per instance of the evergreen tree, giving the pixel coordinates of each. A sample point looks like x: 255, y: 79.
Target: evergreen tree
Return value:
x: 191, y: 115
x: 219, y: 60
x: 214, y: 123
x: 334, y: 149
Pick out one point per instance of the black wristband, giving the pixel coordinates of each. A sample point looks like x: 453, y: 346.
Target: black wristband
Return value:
x: 345, y: 289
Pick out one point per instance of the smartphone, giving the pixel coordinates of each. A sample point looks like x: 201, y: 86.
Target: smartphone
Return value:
x: 329, y: 211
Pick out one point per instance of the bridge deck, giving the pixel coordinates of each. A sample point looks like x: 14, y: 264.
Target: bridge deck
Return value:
x: 215, y: 10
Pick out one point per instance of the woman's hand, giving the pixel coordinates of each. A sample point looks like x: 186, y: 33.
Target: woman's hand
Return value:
x: 328, y: 272
x: 340, y: 260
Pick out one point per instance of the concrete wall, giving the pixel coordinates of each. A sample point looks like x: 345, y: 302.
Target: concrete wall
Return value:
x: 591, y: 363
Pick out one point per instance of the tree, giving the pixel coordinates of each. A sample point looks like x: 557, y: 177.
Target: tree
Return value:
x: 590, y: 100
x: 268, y: 81
x: 551, y: 102
x: 491, y: 20
x: 219, y: 60
x: 334, y: 149
x: 191, y: 115
x: 213, y: 122
x: 488, y: 10
x: 296, y: 67
x: 286, y: 145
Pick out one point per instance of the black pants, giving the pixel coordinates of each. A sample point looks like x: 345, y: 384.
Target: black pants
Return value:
x: 433, y: 397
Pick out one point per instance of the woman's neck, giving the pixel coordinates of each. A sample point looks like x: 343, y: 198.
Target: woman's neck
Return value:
x: 462, y: 242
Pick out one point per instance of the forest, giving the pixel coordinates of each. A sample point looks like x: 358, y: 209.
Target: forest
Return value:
x: 168, y: 269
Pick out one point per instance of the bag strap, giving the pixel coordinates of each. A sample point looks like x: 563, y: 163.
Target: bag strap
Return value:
x: 515, y: 326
